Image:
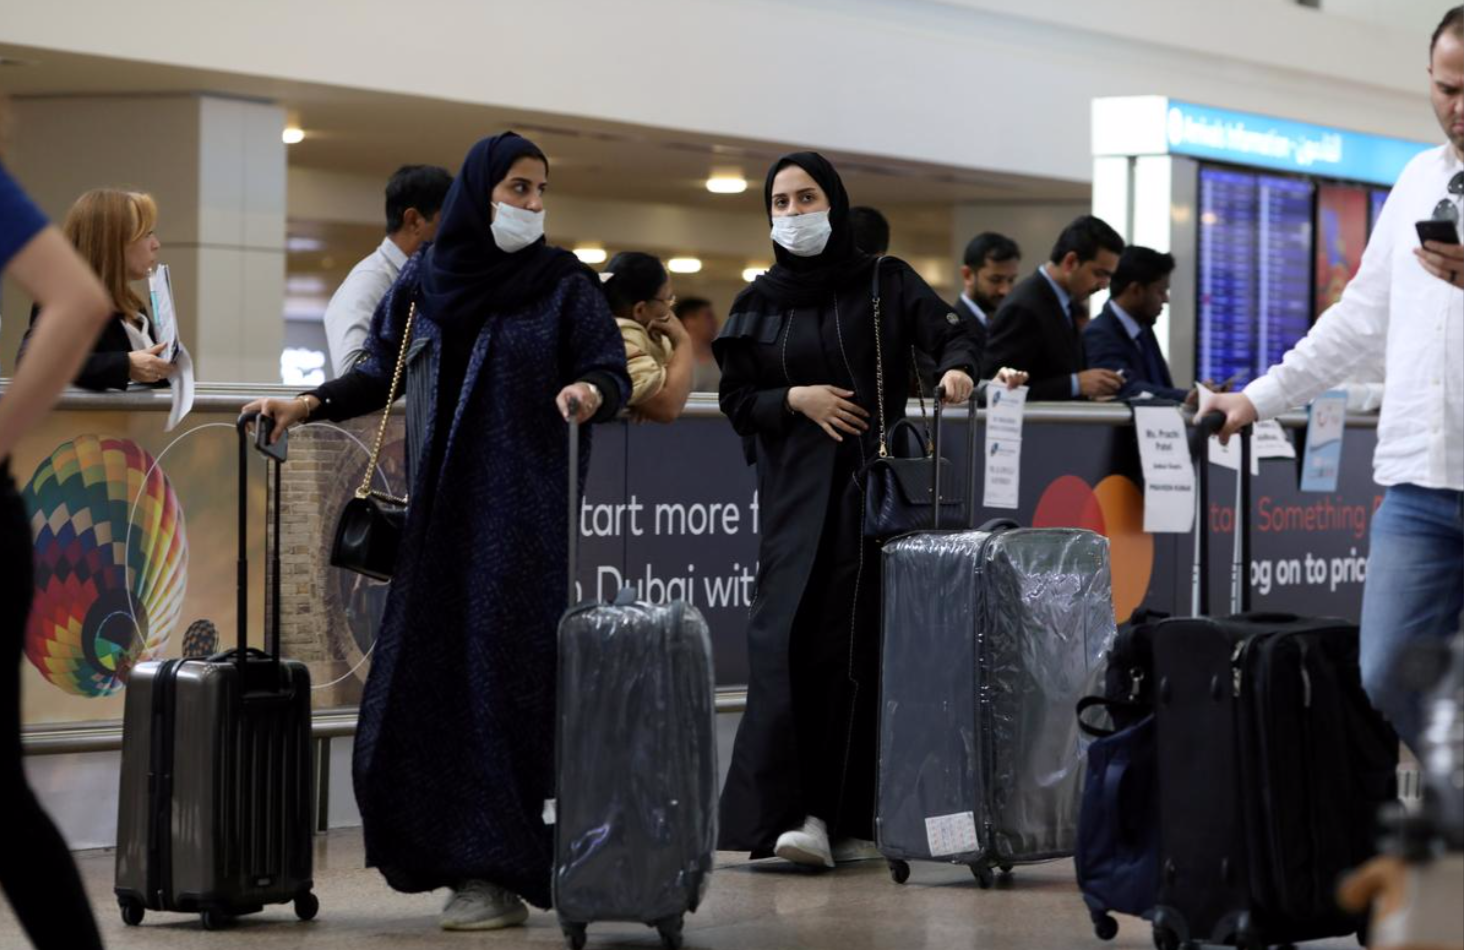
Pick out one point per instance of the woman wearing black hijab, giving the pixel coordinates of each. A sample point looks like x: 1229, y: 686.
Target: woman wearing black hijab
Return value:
x: 454, y: 751
x: 798, y: 383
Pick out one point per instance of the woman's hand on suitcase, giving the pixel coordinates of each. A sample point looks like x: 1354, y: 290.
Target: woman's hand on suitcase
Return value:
x: 830, y: 408
x: 586, y: 397
x: 1237, y: 409
x: 958, y: 387
x: 284, y: 412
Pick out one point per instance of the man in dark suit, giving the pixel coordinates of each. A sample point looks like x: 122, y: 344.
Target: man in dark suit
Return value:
x: 1122, y: 338
x: 1038, y: 327
x: 988, y: 274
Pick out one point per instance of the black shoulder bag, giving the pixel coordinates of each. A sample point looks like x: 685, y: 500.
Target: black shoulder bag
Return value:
x: 369, y: 531
x: 899, y: 491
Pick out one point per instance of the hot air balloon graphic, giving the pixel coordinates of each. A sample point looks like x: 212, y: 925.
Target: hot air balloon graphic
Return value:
x: 111, y: 563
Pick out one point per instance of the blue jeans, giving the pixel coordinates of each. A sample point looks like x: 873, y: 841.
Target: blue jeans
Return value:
x: 1414, y: 591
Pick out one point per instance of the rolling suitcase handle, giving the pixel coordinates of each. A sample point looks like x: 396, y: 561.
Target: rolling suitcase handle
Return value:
x: 1240, y: 590
x: 573, y: 480
x: 972, y: 424
x: 241, y: 653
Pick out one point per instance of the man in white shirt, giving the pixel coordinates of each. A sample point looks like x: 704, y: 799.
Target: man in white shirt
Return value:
x: 414, y: 197
x: 1406, y: 302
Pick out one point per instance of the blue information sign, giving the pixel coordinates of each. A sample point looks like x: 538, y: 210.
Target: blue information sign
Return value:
x: 1284, y: 145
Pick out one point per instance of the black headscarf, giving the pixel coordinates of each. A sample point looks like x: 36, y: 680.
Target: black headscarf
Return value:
x: 801, y: 281
x: 467, y: 276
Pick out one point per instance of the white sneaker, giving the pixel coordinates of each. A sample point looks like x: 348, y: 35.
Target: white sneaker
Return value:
x: 808, y: 845
x: 478, y: 905
x: 849, y: 850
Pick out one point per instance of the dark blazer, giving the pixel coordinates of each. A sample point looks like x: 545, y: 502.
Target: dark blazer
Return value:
x: 1109, y: 346
x: 1032, y: 333
x: 975, y: 331
x: 108, y: 366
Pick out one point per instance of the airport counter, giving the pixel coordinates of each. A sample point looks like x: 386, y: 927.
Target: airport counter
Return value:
x: 672, y: 510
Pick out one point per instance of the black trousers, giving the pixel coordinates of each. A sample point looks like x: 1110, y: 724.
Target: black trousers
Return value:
x: 834, y: 665
x: 36, y: 870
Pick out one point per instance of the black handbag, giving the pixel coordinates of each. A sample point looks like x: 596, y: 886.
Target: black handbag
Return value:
x: 900, y: 490
x: 369, y: 531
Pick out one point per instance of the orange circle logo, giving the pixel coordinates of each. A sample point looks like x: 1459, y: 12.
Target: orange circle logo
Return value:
x: 1115, y: 509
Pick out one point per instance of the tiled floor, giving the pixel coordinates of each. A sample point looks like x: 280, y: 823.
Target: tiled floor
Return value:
x: 764, y: 905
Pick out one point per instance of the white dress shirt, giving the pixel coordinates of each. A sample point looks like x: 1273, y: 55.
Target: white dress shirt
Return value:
x: 1394, y: 306
x: 348, y: 316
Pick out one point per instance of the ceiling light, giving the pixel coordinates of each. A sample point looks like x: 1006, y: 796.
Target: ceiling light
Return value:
x: 292, y: 135
x: 684, y: 265
x: 726, y: 185
x: 591, y: 255
x: 303, y: 244
x: 753, y: 273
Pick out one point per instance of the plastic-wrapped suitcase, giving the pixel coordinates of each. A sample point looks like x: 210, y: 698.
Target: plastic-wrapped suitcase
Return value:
x: 1260, y: 819
x: 216, y: 795
x: 990, y: 638
x: 636, y: 813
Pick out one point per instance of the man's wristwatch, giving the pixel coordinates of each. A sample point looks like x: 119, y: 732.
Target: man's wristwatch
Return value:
x: 595, y: 391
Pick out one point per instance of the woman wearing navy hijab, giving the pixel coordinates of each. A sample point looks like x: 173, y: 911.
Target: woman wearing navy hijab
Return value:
x: 798, y: 384
x: 454, y: 752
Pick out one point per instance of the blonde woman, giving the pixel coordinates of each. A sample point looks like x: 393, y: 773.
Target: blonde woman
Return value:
x: 115, y: 233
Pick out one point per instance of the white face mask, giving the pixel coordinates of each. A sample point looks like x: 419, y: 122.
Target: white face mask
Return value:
x: 515, y: 229
x: 805, y: 235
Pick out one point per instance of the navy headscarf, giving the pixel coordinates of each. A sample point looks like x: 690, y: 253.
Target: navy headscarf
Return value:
x: 467, y: 277
x: 802, y: 281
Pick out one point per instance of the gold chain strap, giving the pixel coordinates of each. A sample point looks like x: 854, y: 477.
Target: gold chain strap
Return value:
x: 366, y: 491
x: 884, y: 450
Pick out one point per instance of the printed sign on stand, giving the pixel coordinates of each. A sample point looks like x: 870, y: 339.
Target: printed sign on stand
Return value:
x: 1004, y: 409
x: 1169, y: 473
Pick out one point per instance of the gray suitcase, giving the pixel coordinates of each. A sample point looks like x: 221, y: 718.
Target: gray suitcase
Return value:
x: 214, y: 813
x: 636, y: 813
x: 990, y: 638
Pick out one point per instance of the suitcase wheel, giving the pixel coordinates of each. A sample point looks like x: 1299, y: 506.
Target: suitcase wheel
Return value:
x: 1105, y: 927
x: 670, y: 930
x: 132, y: 912
x: 1006, y: 869
x: 1165, y: 939
x: 307, y: 905
x: 215, y: 919
x: 899, y: 871
x: 985, y: 877
x: 575, y: 936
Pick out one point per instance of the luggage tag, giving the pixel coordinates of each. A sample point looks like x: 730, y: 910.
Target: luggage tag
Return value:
x: 551, y: 811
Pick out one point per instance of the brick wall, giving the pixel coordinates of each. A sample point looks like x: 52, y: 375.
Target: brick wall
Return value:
x: 328, y: 617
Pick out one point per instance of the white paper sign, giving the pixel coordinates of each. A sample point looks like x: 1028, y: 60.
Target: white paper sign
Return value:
x: 165, y: 331
x: 1228, y: 456
x: 1271, y: 441
x: 1169, y: 474
x: 1004, y: 409
x: 951, y: 834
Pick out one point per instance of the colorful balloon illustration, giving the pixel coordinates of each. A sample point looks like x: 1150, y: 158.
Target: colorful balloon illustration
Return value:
x: 111, y: 563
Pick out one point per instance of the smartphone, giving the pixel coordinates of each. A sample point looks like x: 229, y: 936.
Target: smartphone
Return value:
x: 263, y: 426
x: 1444, y: 232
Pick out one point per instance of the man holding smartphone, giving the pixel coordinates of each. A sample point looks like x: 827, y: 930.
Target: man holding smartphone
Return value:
x: 1406, y: 303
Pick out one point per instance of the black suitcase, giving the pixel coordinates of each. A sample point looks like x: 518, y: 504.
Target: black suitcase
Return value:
x: 214, y: 809
x: 635, y: 821
x: 1272, y: 763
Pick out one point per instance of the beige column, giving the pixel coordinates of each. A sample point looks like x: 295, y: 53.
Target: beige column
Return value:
x: 217, y: 169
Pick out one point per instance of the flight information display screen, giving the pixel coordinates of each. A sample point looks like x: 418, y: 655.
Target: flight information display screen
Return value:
x: 1255, y: 271
x: 1284, y: 298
